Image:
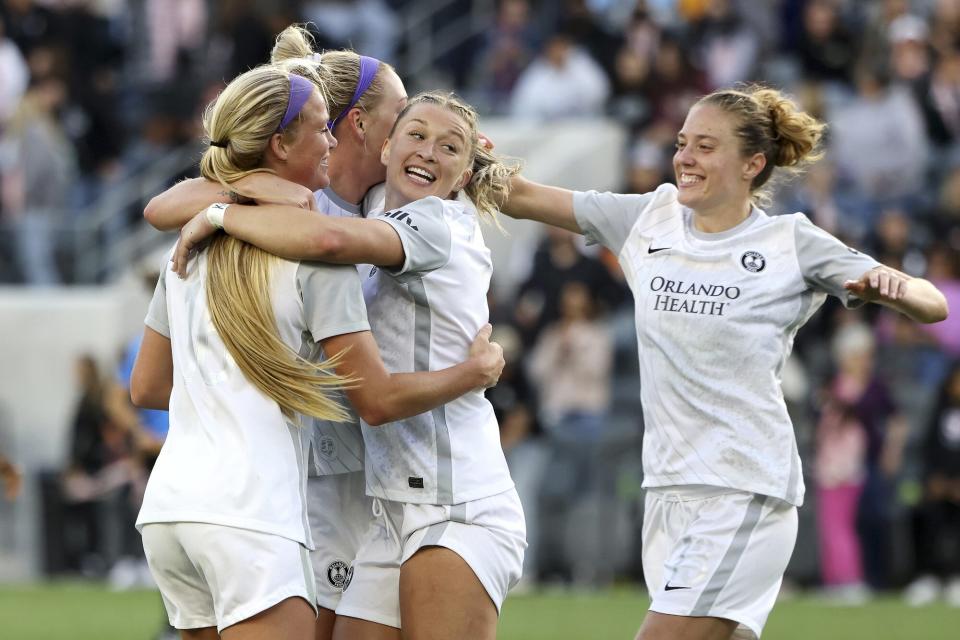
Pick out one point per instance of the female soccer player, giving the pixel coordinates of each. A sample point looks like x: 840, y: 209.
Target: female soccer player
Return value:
x: 451, y: 536
x: 236, y: 349
x: 721, y: 289
x: 365, y: 96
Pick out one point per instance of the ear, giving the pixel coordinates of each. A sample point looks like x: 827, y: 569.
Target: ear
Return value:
x: 464, y: 179
x: 277, y: 147
x: 356, y: 119
x: 385, y: 152
x: 753, y: 166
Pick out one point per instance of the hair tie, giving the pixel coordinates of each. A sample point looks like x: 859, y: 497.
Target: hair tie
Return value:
x: 368, y: 71
x: 300, y: 90
x: 220, y: 143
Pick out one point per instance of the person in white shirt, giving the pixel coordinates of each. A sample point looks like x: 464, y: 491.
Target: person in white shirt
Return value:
x: 236, y: 350
x: 365, y: 96
x: 721, y: 288
x: 451, y: 536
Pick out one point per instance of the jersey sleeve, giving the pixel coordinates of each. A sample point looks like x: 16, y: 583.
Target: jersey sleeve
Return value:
x: 425, y: 235
x: 826, y: 263
x: 332, y: 299
x: 157, y: 318
x: 607, y: 218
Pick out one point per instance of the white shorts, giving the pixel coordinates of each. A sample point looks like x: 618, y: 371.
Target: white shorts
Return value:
x: 710, y: 551
x: 489, y: 534
x: 214, y: 575
x: 340, y: 513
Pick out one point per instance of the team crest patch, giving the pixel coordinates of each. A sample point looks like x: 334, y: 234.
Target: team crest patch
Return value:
x: 753, y: 261
x: 348, y: 579
x: 337, y: 573
x: 328, y: 447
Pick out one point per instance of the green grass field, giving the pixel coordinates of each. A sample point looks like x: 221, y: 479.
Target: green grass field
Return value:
x: 73, y: 611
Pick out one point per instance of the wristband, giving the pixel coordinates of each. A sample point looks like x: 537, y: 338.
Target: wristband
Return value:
x: 215, y: 212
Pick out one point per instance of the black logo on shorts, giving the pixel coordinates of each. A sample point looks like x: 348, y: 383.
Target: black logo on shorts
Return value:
x: 670, y: 587
x: 652, y: 250
x: 337, y: 573
x: 415, y: 482
x: 328, y: 447
x: 753, y: 261
x: 348, y: 579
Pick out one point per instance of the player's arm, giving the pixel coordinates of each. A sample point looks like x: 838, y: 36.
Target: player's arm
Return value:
x: 384, y: 397
x: 530, y: 200
x: 177, y: 205
x: 296, y: 234
x: 916, y: 298
x: 152, y: 379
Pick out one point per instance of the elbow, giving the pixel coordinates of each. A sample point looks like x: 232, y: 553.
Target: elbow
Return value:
x: 139, y: 395
x: 146, y: 396
x: 325, y: 244
x: 152, y: 214
x: 373, y: 416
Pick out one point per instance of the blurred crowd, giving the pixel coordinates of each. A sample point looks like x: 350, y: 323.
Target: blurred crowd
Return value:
x: 91, y: 91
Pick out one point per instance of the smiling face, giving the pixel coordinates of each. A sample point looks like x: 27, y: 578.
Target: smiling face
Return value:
x: 308, y: 147
x: 427, y: 155
x: 711, y: 171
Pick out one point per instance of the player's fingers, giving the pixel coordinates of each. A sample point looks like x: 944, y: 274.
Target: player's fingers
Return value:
x: 485, y: 331
x: 874, y: 279
x: 884, y: 284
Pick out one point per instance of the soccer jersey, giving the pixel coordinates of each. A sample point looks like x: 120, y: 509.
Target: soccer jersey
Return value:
x: 424, y: 316
x: 231, y: 457
x: 716, y: 315
x: 336, y: 447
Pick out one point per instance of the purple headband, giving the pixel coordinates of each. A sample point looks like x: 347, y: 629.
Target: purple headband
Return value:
x: 368, y: 71
x: 300, y: 90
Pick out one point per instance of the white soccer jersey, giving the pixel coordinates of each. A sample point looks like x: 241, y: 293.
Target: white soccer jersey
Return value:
x: 424, y: 316
x: 231, y: 457
x: 716, y: 315
x: 336, y: 447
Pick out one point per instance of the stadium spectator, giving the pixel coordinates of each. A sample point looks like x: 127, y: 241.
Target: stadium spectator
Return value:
x: 38, y: 172
x: 507, y: 48
x: 840, y: 467
x: 727, y: 46
x: 571, y: 366
x: 14, y: 77
x: 937, y: 517
x: 369, y: 26
x: 563, y: 82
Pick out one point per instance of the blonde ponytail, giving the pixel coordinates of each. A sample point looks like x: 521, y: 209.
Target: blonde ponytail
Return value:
x: 244, y: 117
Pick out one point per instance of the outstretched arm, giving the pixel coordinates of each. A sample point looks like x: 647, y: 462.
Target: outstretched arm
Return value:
x: 530, y: 200
x: 177, y: 205
x: 916, y: 298
x: 384, y: 397
x: 296, y: 234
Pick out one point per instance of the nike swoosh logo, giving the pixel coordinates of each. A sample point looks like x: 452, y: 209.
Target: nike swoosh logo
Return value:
x: 652, y: 250
x: 670, y: 587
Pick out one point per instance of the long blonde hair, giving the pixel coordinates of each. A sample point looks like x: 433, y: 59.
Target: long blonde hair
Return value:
x: 240, y: 124
x: 490, y: 182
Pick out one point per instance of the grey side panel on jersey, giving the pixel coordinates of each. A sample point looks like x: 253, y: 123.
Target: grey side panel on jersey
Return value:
x: 421, y: 362
x: 424, y: 234
x: 826, y: 263
x: 296, y: 436
x: 607, y: 218
x: 332, y: 299
x: 157, y: 318
x: 335, y: 198
x: 723, y: 572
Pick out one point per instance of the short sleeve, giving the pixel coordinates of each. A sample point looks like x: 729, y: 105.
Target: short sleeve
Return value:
x: 157, y: 318
x: 607, y: 218
x: 424, y: 233
x: 826, y: 263
x: 332, y: 299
